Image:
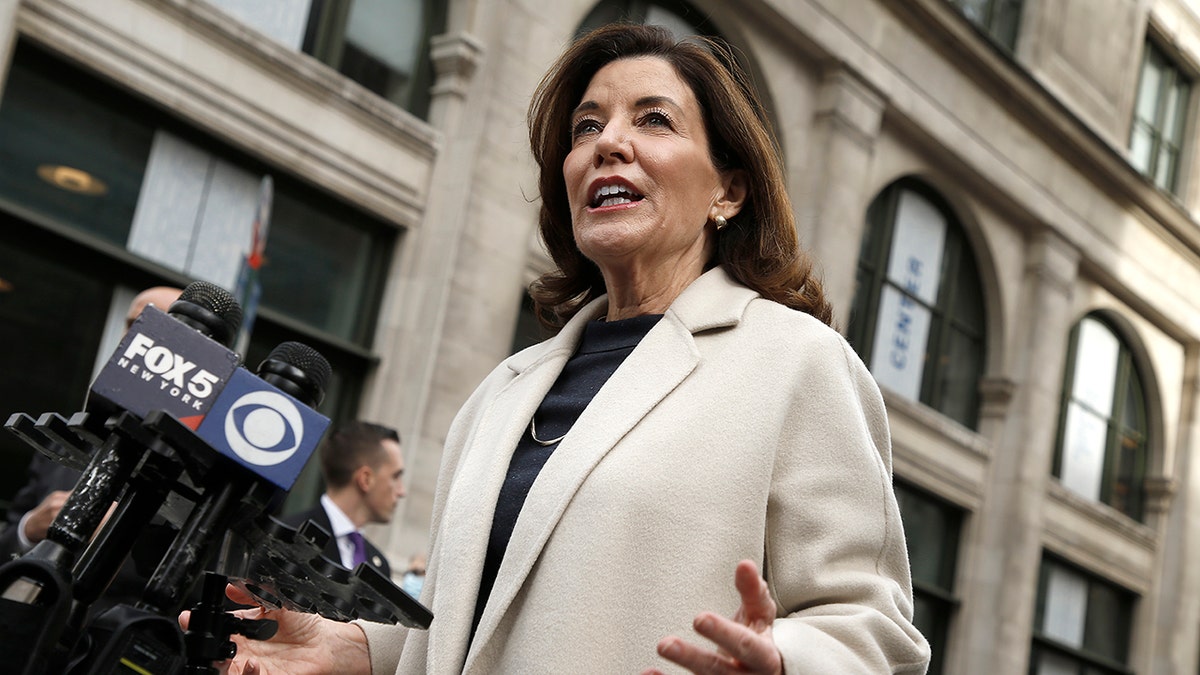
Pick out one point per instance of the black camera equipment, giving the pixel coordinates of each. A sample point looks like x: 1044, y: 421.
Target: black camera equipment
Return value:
x: 174, y: 431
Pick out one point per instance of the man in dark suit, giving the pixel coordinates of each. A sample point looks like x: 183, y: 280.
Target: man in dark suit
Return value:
x: 363, y: 471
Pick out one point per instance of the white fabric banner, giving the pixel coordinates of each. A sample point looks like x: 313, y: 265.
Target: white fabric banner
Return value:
x: 914, y: 264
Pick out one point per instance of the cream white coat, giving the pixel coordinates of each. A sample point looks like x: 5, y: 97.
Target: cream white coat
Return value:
x: 736, y: 429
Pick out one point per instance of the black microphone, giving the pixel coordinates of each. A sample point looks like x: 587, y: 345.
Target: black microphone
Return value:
x: 258, y: 424
x: 297, y: 369
x: 164, y: 361
x: 209, y: 309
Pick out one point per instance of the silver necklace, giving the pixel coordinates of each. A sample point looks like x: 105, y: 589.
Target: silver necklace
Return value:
x: 533, y: 435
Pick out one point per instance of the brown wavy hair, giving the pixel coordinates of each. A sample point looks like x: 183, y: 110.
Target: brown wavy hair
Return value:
x: 758, y: 247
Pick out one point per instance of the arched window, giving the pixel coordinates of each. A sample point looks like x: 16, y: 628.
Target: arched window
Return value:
x: 918, y: 314
x: 1101, y: 449
x: 681, y: 18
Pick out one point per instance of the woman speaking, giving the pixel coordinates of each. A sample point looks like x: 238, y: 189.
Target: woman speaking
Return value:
x: 695, y: 471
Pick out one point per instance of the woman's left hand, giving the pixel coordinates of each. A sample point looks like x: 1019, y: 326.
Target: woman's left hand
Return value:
x: 744, y: 643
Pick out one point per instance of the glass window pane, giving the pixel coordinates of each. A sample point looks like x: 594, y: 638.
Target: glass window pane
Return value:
x: 1108, y: 621
x: 1083, y: 452
x: 921, y: 329
x: 1128, y: 472
x: 1170, y: 111
x: 1066, y: 606
x: 958, y: 378
x: 1160, y: 119
x: 931, y: 531
x: 901, y: 339
x: 318, y: 266
x: 69, y: 149
x: 1133, y: 413
x: 383, y: 39
x: 1141, y: 147
x: 1148, y: 88
x: 1095, y: 366
x: 1081, y: 612
x: 932, y: 618
x: 968, y: 310
x: 1173, y: 129
x: 1164, y: 170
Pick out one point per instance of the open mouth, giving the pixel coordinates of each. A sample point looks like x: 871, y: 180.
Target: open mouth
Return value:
x: 614, y: 195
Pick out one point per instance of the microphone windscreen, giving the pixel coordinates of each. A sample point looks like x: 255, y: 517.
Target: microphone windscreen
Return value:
x: 210, y: 309
x: 309, y: 360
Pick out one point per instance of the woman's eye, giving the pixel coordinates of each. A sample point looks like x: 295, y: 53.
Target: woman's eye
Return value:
x: 656, y: 119
x: 585, y: 126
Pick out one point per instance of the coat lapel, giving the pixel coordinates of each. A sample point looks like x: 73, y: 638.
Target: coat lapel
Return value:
x: 476, y: 487
x: 668, y: 354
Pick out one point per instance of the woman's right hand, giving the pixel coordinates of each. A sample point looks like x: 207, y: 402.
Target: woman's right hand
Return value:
x: 304, y: 644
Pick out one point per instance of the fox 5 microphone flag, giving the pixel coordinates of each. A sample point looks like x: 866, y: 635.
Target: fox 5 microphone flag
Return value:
x: 262, y: 428
x: 163, y: 364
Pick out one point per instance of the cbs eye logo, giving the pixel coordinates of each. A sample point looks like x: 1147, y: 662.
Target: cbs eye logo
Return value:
x: 264, y: 428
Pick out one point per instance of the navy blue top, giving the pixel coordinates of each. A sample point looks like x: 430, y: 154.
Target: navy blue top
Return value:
x: 604, y: 345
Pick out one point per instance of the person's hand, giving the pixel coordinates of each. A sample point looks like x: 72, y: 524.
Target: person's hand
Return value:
x: 38, y: 522
x: 744, y: 643
x: 304, y: 644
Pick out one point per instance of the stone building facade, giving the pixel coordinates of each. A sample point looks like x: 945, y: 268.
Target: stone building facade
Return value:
x: 1002, y: 195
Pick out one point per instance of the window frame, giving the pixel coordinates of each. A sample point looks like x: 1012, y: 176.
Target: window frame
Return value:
x: 872, y: 270
x: 1127, y: 368
x: 1171, y: 72
x: 325, y: 39
x: 942, y: 593
x: 1083, y: 658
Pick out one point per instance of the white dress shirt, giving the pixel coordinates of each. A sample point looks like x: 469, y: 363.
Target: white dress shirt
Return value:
x: 342, y: 526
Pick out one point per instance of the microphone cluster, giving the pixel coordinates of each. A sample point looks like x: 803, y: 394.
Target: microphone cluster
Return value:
x: 175, y: 427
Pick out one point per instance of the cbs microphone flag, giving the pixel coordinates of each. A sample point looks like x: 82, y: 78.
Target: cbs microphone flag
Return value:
x: 262, y: 428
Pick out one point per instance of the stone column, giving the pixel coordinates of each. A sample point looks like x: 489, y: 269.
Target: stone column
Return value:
x: 1000, y: 577
x: 1175, y: 648
x: 420, y: 283
x: 849, y: 112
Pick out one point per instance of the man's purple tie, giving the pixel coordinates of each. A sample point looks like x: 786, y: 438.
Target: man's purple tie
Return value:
x: 360, y: 549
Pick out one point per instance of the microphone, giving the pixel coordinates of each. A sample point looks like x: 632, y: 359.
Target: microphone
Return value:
x: 265, y: 422
x: 163, y: 362
x: 176, y: 362
x: 256, y: 423
x: 209, y: 309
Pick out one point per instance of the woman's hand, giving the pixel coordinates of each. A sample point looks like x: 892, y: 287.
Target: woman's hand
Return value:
x: 744, y: 643
x: 304, y: 644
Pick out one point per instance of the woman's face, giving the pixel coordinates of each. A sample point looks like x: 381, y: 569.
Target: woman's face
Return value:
x: 640, y: 182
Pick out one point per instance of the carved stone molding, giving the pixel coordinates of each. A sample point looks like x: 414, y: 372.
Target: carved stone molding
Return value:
x: 851, y: 104
x: 995, y: 395
x: 456, y: 57
x: 1159, y: 491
